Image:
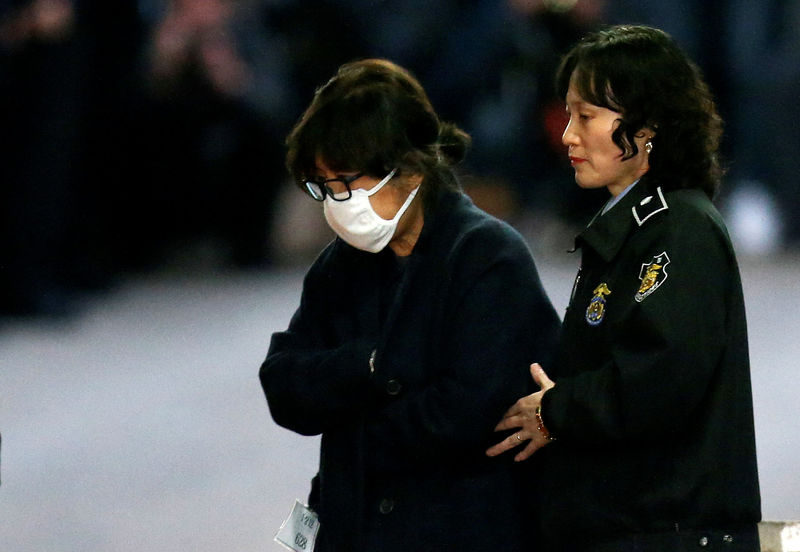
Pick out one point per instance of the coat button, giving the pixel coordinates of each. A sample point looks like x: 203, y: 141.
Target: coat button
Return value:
x: 386, y: 506
x: 703, y: 541
x: 393, y: 386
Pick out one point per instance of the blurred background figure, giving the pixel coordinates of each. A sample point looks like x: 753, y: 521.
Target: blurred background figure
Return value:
x: 217, y: 99
x: 514, y: 113
x: 65, y: 78
x: 763, y: 46
x: 41, y: 108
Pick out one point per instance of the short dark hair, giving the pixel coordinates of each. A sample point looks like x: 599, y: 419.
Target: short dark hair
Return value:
x: 640, y: 72
x: 374, y: 116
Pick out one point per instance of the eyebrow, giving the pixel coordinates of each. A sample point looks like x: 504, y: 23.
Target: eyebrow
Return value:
x: 579, y: 103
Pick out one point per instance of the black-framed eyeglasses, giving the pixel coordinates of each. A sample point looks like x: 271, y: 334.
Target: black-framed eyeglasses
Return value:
x: 318, y: 189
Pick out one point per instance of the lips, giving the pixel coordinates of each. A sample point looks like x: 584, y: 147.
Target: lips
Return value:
x: 576, y: 160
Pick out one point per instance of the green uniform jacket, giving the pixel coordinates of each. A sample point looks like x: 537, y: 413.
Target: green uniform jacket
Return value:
x: 652, y: 408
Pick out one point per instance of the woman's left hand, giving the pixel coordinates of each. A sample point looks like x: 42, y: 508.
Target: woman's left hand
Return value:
x: 522, y: 415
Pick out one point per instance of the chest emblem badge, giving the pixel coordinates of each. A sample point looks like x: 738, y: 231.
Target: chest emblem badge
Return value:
x: 652, y: 275
x: 596, y: 310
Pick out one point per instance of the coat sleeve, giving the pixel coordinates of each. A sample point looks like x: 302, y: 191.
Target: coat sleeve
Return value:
x: 500, y: 322
x: 310, y: 385
x: 664, y: 350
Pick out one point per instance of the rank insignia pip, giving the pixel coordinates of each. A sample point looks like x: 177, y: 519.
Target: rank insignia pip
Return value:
x: 652, y: 275
x: 596, y: 310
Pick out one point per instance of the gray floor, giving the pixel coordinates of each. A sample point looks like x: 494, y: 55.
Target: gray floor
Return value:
x: 141, y: 426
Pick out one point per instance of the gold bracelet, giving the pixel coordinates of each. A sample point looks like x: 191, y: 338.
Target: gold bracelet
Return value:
x: 540, y: 425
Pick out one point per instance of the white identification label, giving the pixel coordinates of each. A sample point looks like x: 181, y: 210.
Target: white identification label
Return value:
x: 299, y: 531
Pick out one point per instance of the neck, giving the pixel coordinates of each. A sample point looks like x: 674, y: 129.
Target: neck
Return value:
x: 408, y: 230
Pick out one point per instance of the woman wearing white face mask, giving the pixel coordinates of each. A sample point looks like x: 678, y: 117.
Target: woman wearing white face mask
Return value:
x: 414, y: 331
x: 352, y: 216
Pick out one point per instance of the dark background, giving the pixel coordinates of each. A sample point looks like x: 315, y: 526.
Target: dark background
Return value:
x: 139, y: 135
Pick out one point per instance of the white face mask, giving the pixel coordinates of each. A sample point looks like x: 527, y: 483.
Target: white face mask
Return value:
x: 357, y: 223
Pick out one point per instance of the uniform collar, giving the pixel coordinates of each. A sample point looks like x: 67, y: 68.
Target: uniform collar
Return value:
x: 607, y: 232
x: 616, y: 199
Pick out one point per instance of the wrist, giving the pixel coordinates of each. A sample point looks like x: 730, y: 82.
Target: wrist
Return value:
x: 541, y: 427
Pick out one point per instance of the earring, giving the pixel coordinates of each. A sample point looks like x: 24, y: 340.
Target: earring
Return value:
x: 648, y: 146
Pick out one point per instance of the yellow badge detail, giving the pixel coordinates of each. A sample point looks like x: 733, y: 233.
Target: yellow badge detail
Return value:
x: 652, y: 275
x: 596, y: 310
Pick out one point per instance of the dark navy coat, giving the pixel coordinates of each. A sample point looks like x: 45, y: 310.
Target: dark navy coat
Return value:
x: 652, y: 407
x: 402, y: 463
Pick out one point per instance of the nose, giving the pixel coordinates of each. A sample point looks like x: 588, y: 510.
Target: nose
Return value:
x: 568, y: 138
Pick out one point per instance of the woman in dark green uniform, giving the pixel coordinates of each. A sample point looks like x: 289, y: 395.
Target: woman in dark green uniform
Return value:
x: 647, y: 424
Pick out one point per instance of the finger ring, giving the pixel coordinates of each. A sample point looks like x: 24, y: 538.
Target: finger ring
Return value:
x: 518, y: 437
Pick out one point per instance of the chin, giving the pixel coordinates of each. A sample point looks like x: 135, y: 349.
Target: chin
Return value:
x: 588, y: 185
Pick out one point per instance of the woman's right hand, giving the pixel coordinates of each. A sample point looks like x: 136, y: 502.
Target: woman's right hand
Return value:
x: 525, y: 415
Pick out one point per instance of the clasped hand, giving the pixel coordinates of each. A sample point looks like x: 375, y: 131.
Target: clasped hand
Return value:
x: 522, y: 415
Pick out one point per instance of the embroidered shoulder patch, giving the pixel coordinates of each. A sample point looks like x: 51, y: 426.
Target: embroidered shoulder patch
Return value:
x: 652, y: 275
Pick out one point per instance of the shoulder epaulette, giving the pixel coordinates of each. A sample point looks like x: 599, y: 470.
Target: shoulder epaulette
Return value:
x: 649, y: 206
